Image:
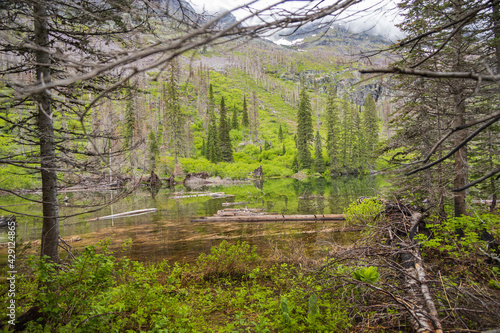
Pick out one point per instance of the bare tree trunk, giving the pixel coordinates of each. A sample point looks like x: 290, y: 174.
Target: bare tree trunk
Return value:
x: 461, y: 172
x: 50, y: 229
x: 496, y: 30
x: 461, y: 166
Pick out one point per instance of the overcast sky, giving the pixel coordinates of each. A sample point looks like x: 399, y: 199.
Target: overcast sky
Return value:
x: 378, y: 16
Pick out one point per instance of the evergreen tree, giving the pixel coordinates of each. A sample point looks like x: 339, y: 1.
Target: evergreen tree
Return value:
x: 203, y: 148
x: 332, y: 132
x: 224, y: 139
x: 319, y: 163
x: 357, y: 138
x: 234, y: 122
x: 283, y: 150
x: 213, y: 146
x: 175, y: 120
x: 431, y: 107
x: 370, y: 129
x: 345, y: 142
x: 129, y: 123
x: 304, y: 130
x: 280, y: 134
x: 153, y: 150
x: 244, y: 119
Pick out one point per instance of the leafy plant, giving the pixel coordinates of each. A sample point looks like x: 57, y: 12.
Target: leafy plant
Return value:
x: 367, y: 274
x: 313, y: 308
x: 228, y: 260
x: 285, y: 311
x: 461, y: 236
x: 365, y: 212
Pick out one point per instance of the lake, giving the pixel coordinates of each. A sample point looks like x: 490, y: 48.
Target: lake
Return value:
x: 169, y: 233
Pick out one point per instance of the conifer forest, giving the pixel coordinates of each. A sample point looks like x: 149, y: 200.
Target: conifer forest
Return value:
x: 254, y: 166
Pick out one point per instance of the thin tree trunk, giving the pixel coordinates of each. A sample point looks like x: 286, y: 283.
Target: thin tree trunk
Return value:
x: 496, y: 30
x: 460, y: 172
x: 50, y: 229
x: 461, y: 166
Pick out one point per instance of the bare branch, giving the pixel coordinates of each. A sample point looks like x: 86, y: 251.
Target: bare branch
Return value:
x: 454, y: 150
x: 431, y: 74
x: 477, y: 181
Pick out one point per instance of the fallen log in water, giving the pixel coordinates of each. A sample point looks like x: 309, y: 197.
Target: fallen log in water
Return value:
x: 125, y: 214
x: 270, y: 218
x: 213, y: 195
x: 226, y: 204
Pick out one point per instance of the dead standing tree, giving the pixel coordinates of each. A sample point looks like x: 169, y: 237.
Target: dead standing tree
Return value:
x: 45, y: 42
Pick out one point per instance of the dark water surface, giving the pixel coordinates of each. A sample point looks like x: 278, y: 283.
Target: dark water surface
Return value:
x: 169, y: 233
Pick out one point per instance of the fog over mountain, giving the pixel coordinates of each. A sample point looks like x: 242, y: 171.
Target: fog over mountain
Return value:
x: 373, y: 17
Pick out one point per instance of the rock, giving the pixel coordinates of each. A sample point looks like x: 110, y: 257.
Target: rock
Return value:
x: 200, y: 175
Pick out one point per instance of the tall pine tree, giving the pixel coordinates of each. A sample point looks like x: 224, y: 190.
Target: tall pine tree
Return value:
x: 129, y: 123
x: 234, y: 121
x: 175, y: 119
x: 224, y: 139
x: 244, y: 119
x: 304, y: 130
x: 319, y: 163
x: 332, y: 132
x: 213, y: 146
x: 370, y: 130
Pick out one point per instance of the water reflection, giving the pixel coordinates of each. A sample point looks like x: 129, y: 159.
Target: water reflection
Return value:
x: 169, y: 233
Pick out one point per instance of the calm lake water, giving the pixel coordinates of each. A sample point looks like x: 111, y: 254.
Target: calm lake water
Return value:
x: 169, y: 233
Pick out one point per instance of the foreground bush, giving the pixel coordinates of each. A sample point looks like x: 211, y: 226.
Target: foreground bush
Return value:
x: 100, y: 293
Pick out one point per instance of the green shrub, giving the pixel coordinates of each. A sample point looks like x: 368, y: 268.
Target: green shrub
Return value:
x: 228, y: 260
x: 367, y: 274
x: 364, y: 213
x: 447, y: 238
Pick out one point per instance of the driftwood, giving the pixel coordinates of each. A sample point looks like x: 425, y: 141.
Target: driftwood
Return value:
x: 419, y: 303
x: 271, y: 218
x: 226, y: 204
x: 125, y: 214
x: 213, y: 195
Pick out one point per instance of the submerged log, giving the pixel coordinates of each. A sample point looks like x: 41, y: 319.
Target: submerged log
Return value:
x: 271, y: 218
x: 226, y: 204
x: 213, y: 195
x: 125, y: 214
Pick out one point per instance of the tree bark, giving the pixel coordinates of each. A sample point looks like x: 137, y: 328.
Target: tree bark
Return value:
x: 50, y: 229
x: 425, y: 318
x: 496, y: 31
x: 461, y: 166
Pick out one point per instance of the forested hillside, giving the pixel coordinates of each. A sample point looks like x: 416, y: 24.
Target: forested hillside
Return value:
x: 169, y: 119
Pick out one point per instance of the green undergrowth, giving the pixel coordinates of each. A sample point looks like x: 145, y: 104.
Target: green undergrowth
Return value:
x: 229, y: 290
